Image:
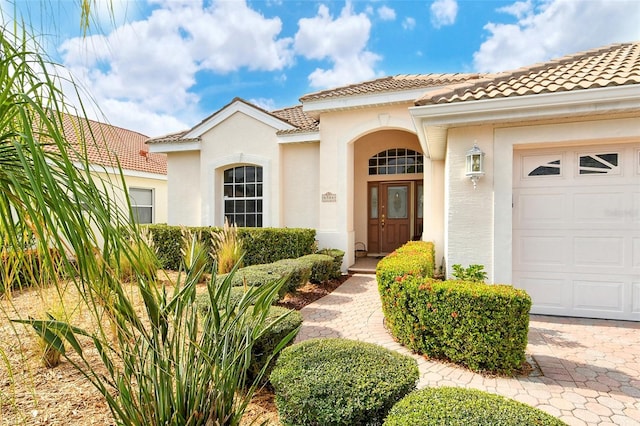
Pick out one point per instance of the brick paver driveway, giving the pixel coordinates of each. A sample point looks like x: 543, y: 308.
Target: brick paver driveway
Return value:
x: 586, y: 372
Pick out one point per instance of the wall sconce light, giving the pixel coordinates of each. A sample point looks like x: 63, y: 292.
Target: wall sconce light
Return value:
x: 475, y: 165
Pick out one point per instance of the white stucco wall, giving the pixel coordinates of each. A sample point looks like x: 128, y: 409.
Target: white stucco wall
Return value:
x: 300, y: 168
x: 183, y: 188
x: 468, y: 211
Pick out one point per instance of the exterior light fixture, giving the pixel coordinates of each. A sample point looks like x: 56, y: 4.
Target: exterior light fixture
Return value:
x: 475, y: 165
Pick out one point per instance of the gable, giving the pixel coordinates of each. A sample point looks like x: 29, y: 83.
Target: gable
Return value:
x: 237, y: 106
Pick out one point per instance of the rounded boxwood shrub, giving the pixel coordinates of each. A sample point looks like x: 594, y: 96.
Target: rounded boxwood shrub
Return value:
x: 462, y: 407
x: 340, y: 382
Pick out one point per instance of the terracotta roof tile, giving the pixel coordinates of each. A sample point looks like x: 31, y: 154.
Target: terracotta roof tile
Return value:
x: 295, y: 116
x: 391, y: 84
x: 613, y: 65
x: 171, y: 137
x: 105, y: 143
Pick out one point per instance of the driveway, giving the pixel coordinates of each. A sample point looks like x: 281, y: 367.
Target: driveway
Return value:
x: 586, y: 372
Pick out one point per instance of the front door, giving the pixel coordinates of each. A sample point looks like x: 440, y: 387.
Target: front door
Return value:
x: 389, y: 215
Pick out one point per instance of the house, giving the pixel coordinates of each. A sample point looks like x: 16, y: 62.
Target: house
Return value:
x: 109, y: 148
x: 550, y: 202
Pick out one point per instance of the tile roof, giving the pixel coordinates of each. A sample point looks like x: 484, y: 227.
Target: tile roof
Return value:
x: 295, y: 116
x: 391, y: 84
x: 105, y: 143
x: 171, y: 137
x: 298, y: 118
x: 613, y: 65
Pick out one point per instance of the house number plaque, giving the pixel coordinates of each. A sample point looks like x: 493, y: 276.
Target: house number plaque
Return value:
x: 329, y: 197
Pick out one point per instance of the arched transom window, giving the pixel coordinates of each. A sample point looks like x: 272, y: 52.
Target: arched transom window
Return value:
x: 243, y: 195
x: 396, y: 161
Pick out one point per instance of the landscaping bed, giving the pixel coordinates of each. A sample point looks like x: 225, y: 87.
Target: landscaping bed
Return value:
x: 61, y: 395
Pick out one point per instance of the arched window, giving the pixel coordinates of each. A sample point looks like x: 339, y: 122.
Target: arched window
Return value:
x: 243, y: 195
x: 396, y: 161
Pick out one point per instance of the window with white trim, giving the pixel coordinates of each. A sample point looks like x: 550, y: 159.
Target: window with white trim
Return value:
x: 243, y: 196
x: 142, y: 204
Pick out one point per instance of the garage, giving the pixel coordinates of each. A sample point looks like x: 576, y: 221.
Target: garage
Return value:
x: 576, y: 230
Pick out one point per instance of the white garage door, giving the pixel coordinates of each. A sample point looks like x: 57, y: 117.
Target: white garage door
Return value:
x: 576, y: 230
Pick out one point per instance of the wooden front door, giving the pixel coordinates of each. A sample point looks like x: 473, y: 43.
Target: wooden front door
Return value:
x: 389, y: 215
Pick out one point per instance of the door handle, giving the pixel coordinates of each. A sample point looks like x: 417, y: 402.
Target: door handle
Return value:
x: 382, y: 221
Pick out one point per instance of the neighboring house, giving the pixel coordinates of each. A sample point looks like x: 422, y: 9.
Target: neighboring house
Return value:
x: 145, y: 174
x: 556, y: 210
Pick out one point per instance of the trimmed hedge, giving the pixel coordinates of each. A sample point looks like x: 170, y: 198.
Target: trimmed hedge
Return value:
x: 483, y: 327
x: 415, y: 258
x: 337, y: 255
x: 340, y: 382
x: 322, y: 267
x: 298, y: 273
x: 261, y: 245
x: 264, y: 347
x: 462, y: 407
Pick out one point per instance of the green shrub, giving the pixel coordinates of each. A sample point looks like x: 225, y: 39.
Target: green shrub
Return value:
x: 337, y: 255
x: 322, y: 267
x: 260, y: 245
x: 168, y: 243
x: 462, y: 407
x: 340, y: 382
x: 265, y: 346
x: 414, y: 258
x: 298, y: 270
x: 267, y: 245
x: 258, y: 275
x: 483, y: 327
x: 471, y: 273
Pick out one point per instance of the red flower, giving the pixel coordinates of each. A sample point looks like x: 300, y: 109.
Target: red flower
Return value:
x: 454, y: 314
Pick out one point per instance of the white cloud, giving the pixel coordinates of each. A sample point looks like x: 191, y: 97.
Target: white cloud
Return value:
x: 409, y: 23
x: 342, y: 41
x: 264, y: 103
x: 386, y: 13
x: 547, y: 29
x: 152, y: 63
x: 444, y: 12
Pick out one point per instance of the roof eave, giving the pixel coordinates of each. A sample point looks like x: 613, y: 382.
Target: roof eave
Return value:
x: 299, y: 137
x: 174, y: 146
x: 317, y: 106
x: 433, y: 121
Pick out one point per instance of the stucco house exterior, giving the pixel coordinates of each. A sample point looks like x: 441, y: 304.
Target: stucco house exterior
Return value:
x: 109, y: 148
x: 555, y: 209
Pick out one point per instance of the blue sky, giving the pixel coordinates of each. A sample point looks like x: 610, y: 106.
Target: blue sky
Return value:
x: 160, y: 66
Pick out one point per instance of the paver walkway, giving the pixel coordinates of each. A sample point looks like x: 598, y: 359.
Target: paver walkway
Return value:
x: 587, y: 372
